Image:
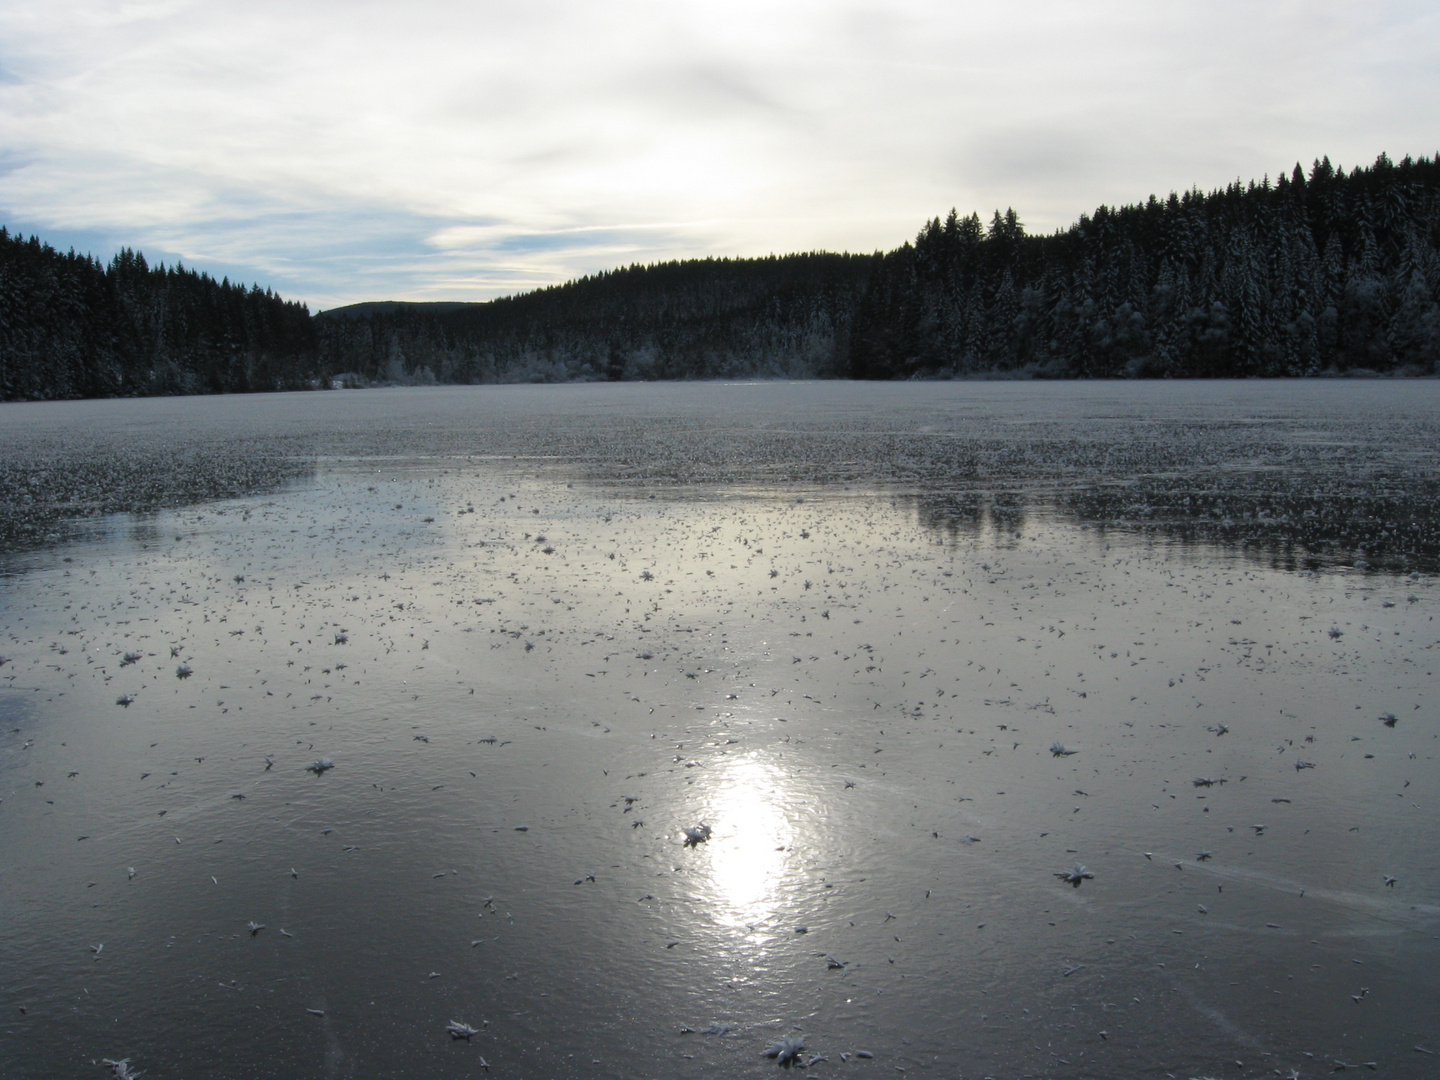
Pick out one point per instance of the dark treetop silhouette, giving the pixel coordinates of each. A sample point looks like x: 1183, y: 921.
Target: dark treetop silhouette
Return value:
x: 1330, y: 272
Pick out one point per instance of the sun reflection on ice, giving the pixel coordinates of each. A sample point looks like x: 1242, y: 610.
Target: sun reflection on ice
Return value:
x: 751, y: 834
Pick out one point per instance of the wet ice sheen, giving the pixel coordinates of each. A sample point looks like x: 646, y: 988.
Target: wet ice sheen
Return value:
x: 845, y: 634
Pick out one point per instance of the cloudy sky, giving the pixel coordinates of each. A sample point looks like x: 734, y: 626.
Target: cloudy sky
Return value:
x: 440, y: 149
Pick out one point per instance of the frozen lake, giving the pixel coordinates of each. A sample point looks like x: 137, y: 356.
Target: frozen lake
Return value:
x: 912, y: 652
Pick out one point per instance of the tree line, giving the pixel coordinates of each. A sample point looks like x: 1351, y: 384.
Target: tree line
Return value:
x: 1330, y: 271
x: 72, y: 327
x: 1333, y: 271
x: 781, y: 316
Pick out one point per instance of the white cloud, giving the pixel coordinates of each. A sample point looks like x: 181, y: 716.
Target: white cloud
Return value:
x: 358, y: 150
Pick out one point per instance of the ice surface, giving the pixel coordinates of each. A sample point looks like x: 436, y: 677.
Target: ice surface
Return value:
x: 542, y: 631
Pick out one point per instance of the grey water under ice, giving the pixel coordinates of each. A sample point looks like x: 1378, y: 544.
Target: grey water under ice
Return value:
x: 914, y: 654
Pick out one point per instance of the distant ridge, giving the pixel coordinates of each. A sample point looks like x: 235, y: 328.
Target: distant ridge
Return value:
x: 365, y: 308
x: 779, y: 316
x: 1325, y: 272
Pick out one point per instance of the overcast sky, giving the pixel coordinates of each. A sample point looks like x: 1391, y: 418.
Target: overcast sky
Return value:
x: 343, y: 151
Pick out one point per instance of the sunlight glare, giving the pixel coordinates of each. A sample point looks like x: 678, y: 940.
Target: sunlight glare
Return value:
x: 752, y: 833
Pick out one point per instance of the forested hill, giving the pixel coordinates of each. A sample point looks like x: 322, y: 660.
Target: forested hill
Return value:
x: 1330, y: 271
x: 782, y: 316
x: 1333, y: 271
x: 73, y: 327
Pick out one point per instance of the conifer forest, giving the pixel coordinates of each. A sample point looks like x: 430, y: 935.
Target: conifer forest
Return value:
x: 1325, y: 272
x: 72, y: 327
